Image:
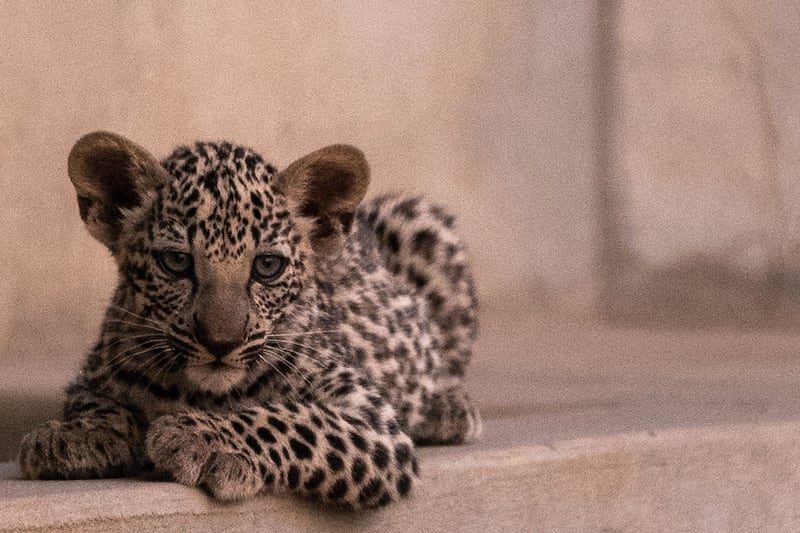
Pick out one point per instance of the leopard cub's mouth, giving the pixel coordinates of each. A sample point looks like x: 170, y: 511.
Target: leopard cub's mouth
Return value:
x: 221, y: 372
x: 215, y: 374
x: 216, y: 377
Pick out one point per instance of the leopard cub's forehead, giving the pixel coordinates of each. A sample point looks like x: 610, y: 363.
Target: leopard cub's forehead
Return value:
x: 223, y: 195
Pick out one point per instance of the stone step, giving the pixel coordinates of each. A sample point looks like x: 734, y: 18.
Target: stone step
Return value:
x: 737, y: 477
x: 587, y: 428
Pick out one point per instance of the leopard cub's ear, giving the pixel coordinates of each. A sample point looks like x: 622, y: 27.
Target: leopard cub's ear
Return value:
x: 110, y: 174
x: 327, y: 186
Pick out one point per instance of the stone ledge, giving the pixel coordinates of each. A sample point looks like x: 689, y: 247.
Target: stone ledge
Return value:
x: 711, y: 478
x: 587, y: 428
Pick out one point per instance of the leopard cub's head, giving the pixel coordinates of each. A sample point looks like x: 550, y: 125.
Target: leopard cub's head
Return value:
x: 215, y: 248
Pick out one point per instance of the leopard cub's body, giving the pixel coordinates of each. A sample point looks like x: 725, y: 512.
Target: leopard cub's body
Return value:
x: 268, y: 332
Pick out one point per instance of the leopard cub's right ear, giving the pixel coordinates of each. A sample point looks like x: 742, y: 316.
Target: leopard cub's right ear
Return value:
x: 110, y: 174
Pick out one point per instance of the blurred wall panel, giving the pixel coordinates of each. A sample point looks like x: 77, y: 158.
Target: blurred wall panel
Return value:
x: 703, y: 147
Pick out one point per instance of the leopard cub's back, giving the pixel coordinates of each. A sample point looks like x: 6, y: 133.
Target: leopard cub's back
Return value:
x: 405, y: 295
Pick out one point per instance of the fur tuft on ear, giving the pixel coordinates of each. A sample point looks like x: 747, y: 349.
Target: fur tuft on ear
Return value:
x: 111, y: 173
x: 327, y: 186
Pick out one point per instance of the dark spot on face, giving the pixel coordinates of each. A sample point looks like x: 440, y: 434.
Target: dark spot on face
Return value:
x: 402, y: 454
x: 344, y: 390
x: 193, y: 197
x: 275, y: 456
x: 256, y: 200
x: 418, y: 279
x: 384, y: 499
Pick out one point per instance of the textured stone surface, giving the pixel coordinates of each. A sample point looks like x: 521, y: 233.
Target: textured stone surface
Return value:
x: 731, y: 478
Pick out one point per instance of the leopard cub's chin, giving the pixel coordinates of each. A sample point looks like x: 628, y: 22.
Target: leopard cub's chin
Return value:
x: 219, y: 380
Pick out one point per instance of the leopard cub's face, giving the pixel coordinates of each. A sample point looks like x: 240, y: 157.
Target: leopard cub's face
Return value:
x: 214, y: 249
x: 215, y: 263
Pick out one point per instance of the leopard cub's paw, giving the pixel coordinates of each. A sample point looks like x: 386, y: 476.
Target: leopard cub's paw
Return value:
x: 232, y: 476
x: 74, y: 450
x: 197, y: 455
x: 179, y: 448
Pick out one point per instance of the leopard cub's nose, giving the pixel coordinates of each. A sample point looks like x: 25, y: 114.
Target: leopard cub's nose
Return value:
x: 218, y: 343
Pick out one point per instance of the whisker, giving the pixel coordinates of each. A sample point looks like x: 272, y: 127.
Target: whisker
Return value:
x: 117, y: 340
x: 131, y: 355
x: 136, y: 315
x: 281, y: 357
x: 144, y: 366
x: 167, y: 369
x: 136, y: 324
x: 127, y: 353
x: 154, y: 363
x: 285, y: 378
x: 325, y: 355
x: 294, y: 342
x: 299, y: 333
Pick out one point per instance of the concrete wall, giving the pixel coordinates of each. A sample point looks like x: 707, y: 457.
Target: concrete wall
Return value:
x: 702, y: 153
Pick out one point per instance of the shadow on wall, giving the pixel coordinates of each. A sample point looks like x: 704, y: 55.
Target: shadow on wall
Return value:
x: 698, y: 293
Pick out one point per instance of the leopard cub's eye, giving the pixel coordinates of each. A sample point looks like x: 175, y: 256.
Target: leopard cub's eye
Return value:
x: 178, y: 264
x: 269, y: 267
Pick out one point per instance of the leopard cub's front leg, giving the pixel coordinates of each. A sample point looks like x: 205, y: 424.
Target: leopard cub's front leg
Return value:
x: 97, y: 438
x: 351, y: 457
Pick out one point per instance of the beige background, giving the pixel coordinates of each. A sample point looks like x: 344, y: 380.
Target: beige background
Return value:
x: 632, y: 162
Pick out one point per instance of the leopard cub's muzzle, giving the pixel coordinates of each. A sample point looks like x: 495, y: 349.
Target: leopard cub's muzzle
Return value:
x: 221, y: 318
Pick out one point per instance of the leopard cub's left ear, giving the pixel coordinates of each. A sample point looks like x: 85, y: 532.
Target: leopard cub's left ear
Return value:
x: 327, y: 186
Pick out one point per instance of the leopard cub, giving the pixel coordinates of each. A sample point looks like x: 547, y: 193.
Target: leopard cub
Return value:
x: 269, y: 331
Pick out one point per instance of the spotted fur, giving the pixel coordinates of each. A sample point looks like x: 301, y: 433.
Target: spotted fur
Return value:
x: 307, y: 346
